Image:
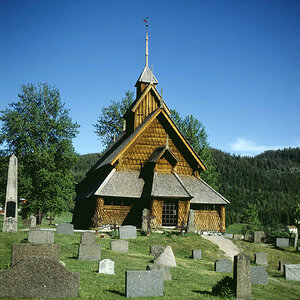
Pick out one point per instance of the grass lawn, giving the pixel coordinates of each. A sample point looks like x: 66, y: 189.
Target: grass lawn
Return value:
x: 191, y: 279
x: 235, y: 228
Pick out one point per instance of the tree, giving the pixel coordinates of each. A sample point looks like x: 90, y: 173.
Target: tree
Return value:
x: 195, y: 133
x: 39, y: 131
x: 110, y: 123
x: 250, y: 217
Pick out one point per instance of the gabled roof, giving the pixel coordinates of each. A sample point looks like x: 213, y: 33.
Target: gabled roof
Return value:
x: 147, y: 76
x: 159, y: 152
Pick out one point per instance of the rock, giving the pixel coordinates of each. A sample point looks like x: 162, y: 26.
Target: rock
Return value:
x: 167, y: 258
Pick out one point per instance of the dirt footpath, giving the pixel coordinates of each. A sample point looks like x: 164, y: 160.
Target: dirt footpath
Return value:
x: 226, y: 245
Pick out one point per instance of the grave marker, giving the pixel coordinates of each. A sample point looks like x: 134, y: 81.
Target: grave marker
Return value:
x: 282, y: 264
x: 292, y: 272
x: 146, y: 221
x: 282, y: 243
x: 88, y: 238
x: 106, y: 266
x: 223, y: 265
x: 89, y: 252
x: 65, y: 228
x: 156, y: 250
x: 167, y: 258
x: 196, y: 254
x: 41, y: 237
x: 259, y: 275
x: 259, y: 237
x: 127, y: 232
x: 119, y: 246
x: 242, y: 276
x: 165, y: 270
x: 261, y: 258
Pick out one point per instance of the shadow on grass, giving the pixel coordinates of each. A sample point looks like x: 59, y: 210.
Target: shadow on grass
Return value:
x: 116, y: 292
x: 203, y: 292
x: 73, y: 257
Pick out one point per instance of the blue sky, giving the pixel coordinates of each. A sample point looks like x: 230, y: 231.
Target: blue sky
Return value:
x: 234, y: 65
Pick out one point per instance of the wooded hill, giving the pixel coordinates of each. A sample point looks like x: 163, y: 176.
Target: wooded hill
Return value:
x: 270, y: 180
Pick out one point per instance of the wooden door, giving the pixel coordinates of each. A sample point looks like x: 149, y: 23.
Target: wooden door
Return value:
x: 170, y: 213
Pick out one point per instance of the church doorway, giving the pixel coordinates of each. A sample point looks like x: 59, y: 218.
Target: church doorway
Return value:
x: 170, y: 213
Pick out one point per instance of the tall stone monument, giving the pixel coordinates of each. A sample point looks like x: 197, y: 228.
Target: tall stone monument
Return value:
x: 10, y: 223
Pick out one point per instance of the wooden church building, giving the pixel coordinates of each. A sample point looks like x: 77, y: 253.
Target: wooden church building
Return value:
x: 150, y: 165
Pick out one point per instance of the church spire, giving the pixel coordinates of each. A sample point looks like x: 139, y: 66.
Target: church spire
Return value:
x: 146, y: 55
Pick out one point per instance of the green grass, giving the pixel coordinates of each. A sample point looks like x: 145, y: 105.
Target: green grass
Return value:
x: 191, y: 279
x: 235, y: 228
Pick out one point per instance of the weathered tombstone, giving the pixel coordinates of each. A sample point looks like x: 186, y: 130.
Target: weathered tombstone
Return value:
x: 10, y: 222
x: 65, y: 228
x: 261, y: 258
x: 89, y: 252
x: 292, y: 272
x: 282, y: 243
x: 127, y: 232
x: 191, y: 223
x: 248, y: 237
x: 106, y: 266
x: 228, y: 235
x: 196, y: 254
x: 144, y: 283
x: 32, y: 221
x: 38, y: 277
x: 238, y: 237
x: 259, y: 275
x: 167, y: 258
x: 119, y: 246
x: 242, y: 276
x: 23, y: 251
x: 26, y: 223
x: 88, y: 238
x: 282, y: 264
x: 223, y: 265
x: 259, y: 237
x: 156, y: 250
x: 145, y: 213
x: 41, y: 237
x: 166, y: 270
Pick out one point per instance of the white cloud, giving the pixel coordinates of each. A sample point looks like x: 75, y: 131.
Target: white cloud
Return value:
x: 248, y: 148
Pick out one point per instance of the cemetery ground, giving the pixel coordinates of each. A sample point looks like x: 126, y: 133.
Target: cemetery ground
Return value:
x: 192, y: 279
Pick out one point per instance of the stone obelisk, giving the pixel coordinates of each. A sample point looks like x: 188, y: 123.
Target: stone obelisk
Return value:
x: 10, y: 223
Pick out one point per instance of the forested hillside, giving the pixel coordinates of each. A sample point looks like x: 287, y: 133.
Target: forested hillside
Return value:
x: 270, y: 180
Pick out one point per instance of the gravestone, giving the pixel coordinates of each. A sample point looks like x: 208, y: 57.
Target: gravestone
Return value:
x: 41, y: 237
x: 292, y: 272
x: 166, y: 270
x: 32, y: 221
x: 87, y: 238
x: 106, y: 266
x: 248, y: 237
x: 223, y: 265
x: 259, y: 237
x: 10, y: 222
x: 23, y: 251
x: 261, y: 258
x: 38, y: 277
x: 238, y: 237
x: 156, y: 250
x: 127, y: 232
x: 26, y: 223
x: 145, y: 213
x: 228, y: 235
x: 144, y: 283
x: 196, y: 254
x: 259, y: 275
x: 242, y: 276
x: 282, y: 264
x: 65, y: 228
x: 191, y: 222
x: 89, y: 252
x: 282, y: 243
x: 119, y: 246
x: 167, y: 258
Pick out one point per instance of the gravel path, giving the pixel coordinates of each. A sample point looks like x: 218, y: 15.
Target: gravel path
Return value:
x: 226, y: 245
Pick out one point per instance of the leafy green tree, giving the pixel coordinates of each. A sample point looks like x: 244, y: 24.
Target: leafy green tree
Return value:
x: 195, y: 133
x: 250, y: 217
x: 39, y: 131
x: 110, y: 123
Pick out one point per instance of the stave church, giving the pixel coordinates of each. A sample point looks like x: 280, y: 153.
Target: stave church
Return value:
x: 150, y: 165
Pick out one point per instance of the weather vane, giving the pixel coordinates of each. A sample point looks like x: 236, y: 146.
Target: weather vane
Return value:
x: 146, y: 22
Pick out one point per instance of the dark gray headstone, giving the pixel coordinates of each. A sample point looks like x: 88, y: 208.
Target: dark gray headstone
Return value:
x: 282, y: 264
x: 119, y: 246
x: 156, y: 250
x: 89, y: 252
x: 166, y: 270
x: 282, y: 243
x: 88, y: 238
x: 292, y: 272
x: 261, y: 258
x: 65, y: 228
x: 238, y: 237
x: 23, y: 251
x: 242, y: 276
x: 145, y: 213
x: 259, y: 275
x: 38, y: 277
x: 223, y: 265
x: 41, y: 237
x: 191, y: 223
x: 144, y: 283
x: 127, y: 232
x: 259, y: 237
x: 26, y: 223
x: 196, y: 254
